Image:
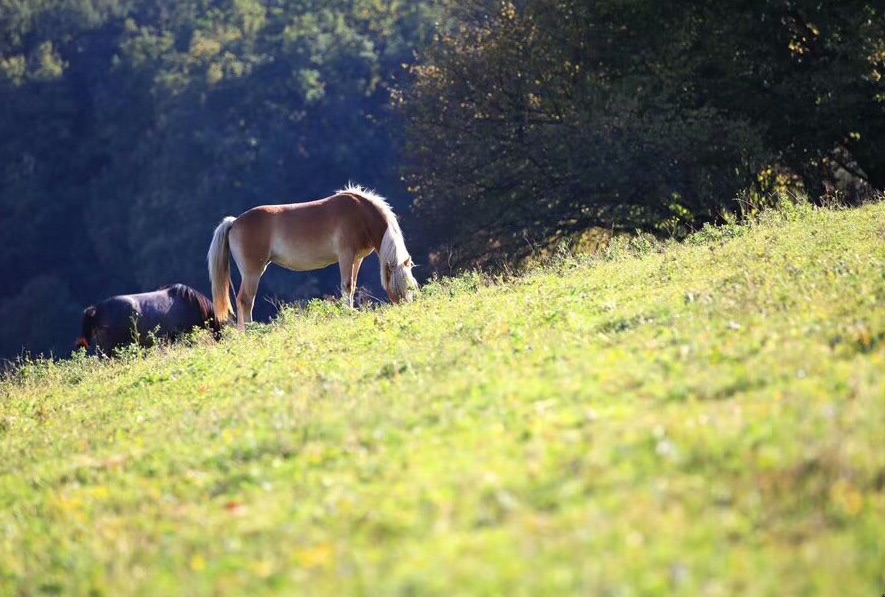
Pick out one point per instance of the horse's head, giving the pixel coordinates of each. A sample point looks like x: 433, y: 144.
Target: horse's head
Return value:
x: 89, y: 325
x: 400, y: 283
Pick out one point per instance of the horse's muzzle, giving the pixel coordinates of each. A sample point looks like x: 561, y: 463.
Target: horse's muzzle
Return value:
x: 82, y: 342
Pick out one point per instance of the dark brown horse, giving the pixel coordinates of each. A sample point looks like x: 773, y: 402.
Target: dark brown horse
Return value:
x: 163, y: 314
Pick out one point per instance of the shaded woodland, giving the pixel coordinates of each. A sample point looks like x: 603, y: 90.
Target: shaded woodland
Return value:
x: 534, y: 120
x: 128, y: 129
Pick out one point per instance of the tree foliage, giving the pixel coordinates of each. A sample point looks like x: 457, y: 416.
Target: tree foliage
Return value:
x: 527, y: 119
x: 130, y: 127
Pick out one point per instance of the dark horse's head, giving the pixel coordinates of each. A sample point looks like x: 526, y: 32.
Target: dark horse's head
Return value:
x: 89, y: 324
x: 201, y: 303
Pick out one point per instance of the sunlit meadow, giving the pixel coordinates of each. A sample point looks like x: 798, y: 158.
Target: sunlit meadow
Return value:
x: 703, y: 417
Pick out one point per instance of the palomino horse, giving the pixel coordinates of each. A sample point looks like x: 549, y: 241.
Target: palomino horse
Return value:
x: 128, y: 318
x: 345, y: 227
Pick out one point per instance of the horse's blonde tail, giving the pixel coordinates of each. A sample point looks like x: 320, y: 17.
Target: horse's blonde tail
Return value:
x: 219, y: 270
x: 396, y: 265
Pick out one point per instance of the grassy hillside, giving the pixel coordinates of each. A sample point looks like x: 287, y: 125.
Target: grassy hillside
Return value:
x: 701, y: 418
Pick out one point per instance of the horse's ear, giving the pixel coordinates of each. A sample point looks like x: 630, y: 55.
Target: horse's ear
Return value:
x: 88, y: 326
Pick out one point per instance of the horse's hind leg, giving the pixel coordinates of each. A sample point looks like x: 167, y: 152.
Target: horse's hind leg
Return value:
x: 251, y: 261
x: 246, y: 298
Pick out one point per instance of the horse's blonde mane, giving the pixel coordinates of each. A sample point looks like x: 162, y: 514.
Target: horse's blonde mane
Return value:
x: 396, y: 253
x: 376, y: 199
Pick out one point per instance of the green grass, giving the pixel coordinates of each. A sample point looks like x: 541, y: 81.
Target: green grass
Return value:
x: 695, y: 418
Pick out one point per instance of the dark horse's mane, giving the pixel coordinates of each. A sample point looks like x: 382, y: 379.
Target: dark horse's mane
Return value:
x: 197, y: 298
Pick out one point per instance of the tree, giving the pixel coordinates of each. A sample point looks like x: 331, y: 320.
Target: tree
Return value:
x: 536, y: 118
x: 810, y: 74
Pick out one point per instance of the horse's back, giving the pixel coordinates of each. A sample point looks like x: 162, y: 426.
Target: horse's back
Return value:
x: 154, y: 308
x: 142, y: 313
x: 305, y: 236
x: 173, y: 310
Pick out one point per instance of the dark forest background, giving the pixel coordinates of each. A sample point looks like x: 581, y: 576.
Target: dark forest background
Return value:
x: 128, y: 129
